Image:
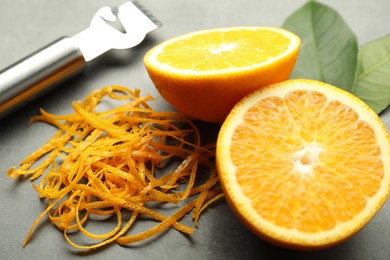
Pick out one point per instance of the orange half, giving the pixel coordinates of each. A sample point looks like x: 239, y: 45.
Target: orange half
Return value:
x: 304, y: 164
x: 205, y: 73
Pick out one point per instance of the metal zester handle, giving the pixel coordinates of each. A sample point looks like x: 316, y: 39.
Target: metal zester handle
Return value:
x: 34, y: 74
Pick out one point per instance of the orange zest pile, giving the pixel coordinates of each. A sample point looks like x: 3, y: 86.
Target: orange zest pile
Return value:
x: 123, y: 163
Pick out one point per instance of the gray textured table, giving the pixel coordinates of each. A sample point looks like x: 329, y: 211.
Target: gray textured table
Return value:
x: 26, y: 25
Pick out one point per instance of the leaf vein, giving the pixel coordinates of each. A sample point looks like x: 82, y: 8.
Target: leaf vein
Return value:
x: 316, y: 45
x: 374, y: 68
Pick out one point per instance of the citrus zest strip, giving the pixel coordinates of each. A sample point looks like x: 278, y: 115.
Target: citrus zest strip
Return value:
x: 117, y: 161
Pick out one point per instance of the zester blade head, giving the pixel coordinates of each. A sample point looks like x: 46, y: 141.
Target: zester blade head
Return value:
x: 134, y: 23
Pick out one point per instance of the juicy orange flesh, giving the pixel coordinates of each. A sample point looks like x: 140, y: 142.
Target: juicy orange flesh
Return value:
x: 314, y: 162
x: 224, y: 49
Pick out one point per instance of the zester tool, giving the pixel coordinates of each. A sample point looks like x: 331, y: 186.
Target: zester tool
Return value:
x: 68, y: 56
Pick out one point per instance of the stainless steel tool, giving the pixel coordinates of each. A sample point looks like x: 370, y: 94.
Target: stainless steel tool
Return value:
x: 68, y: 56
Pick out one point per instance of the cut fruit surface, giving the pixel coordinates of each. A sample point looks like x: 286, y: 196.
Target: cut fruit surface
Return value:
x: 205, y: 73
x: 304, y: 164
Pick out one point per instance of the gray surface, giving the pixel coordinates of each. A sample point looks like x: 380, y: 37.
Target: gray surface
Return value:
x: 26, y: 25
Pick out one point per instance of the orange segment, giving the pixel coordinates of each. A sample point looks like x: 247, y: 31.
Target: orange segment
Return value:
x: 304, y: 164
x: 205, y: 73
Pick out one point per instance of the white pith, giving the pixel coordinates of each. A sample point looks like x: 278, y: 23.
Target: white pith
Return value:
x: 307, y: 158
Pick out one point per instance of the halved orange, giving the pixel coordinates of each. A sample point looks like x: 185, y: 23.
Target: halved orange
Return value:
x: 205, y: 73
x: 304, y: 164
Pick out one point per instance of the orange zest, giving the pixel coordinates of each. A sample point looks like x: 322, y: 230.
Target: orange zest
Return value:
x: 122, y: 163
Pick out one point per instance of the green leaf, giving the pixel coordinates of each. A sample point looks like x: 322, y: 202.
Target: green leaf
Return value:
x: 373, y: 74
x: 329, y: 47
